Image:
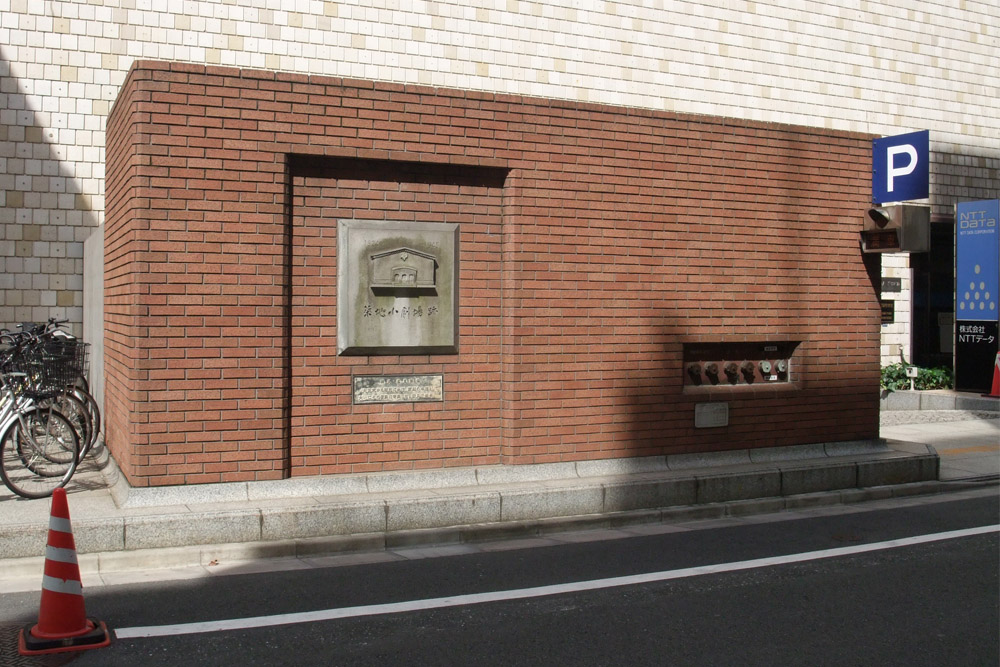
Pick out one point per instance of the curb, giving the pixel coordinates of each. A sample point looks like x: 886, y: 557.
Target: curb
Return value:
x: 906, y: 400
x: 109, y: 562
x: 496, y: 508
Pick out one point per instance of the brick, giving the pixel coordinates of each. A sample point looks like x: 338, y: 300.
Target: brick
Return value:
x: 582, y: 257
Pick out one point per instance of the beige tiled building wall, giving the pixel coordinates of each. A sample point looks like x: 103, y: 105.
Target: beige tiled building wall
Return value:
x: 896, y: 336
x: 871, y: 66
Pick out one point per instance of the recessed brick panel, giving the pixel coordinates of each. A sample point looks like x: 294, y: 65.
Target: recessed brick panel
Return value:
x: 329, y: 434
x: 595, y: 243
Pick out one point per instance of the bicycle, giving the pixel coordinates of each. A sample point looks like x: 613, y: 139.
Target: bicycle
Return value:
x: 39, y: 448
x: 70, y: 395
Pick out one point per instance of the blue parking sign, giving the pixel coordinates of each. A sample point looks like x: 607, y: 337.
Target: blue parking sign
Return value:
x: 900, y: 167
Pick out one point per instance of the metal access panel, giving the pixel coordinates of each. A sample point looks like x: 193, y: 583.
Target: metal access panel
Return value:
x: 733, y: 364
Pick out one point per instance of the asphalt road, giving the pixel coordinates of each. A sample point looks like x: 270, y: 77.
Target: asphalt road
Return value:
x: 932, y: 603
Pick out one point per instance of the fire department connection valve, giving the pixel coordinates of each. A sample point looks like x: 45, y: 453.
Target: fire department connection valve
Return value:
x: 737, y: 364
x: 732, y: 372
x: 737, y: 372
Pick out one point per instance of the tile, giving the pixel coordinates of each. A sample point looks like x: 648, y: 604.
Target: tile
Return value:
x: 148, y: 576
x: 415, y: 553
x: 522, y: 543
x: 343, y: 560
x: 583, y: 536
x: 223, y: 568
x: 655, y: 529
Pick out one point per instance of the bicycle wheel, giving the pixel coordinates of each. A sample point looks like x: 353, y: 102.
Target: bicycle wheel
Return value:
x: 81, y: 383
x: 75, y: 411
x: 95, y: 419
x: 47, y: 441
x: 38, y: 453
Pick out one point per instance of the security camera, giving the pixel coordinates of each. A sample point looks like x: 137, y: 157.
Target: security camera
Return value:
x: 880, y: 216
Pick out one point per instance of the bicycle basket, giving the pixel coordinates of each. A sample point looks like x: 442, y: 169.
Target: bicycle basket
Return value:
x: 47, y: 372
x: 13, y: 377
x: 69, y: 351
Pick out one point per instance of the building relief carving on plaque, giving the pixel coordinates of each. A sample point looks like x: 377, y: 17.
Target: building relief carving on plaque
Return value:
x: 403, y: 271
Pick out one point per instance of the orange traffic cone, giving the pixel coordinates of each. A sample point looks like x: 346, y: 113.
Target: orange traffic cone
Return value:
x: 995, y: 391
x: 62, y: 621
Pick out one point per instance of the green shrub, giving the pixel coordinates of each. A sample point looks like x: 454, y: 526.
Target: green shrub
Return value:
x: 894, y: 378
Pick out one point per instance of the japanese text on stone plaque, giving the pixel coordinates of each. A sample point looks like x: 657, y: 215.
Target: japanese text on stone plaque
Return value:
x: 398, y: 388
x: 405, y: 312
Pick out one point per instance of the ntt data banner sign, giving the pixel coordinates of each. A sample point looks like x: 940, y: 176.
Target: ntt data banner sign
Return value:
x: 900, y: 167
x: 977, y: 293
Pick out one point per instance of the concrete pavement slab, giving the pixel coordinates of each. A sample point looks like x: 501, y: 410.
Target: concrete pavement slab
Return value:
x: 797, y: 481
x: 436, y: 512
x: 527, y: 504
x: 625, y: 496
x: 968, y: 449
x: 718, y: 488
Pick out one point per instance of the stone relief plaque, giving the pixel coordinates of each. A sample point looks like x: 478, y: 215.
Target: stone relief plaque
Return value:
x: 404, y: 272
x: 398, y: 388
x: 397, y: 287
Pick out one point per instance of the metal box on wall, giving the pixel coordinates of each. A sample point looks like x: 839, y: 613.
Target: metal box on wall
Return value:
x: 899, y: 228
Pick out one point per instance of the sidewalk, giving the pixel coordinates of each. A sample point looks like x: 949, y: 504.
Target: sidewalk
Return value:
x: 963, y: 428
x: 118, y: 528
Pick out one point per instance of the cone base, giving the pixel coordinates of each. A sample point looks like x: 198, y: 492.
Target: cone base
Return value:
x: 995, y: 388
x: 995, y: 391
x: 97, y: 637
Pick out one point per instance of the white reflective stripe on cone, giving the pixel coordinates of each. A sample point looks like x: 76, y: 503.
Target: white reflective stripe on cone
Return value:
x: 60, y: 555
x: 54, y: 585
x: 60, y: 525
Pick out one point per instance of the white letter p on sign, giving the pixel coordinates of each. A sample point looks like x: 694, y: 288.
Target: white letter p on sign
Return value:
x: 892, y: 171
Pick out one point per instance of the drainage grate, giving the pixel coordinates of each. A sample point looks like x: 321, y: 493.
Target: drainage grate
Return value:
x: 9, y: 657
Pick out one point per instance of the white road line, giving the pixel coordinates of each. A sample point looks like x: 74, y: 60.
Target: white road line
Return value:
x: 539, y: 591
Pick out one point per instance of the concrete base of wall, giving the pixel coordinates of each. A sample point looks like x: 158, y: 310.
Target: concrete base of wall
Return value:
x: 938, y: 400
x: 373, y: 511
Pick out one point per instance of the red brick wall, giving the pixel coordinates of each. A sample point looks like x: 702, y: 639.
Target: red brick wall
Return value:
x: 595, y: 242
x: 123, y: 229
x: 328, y: 433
